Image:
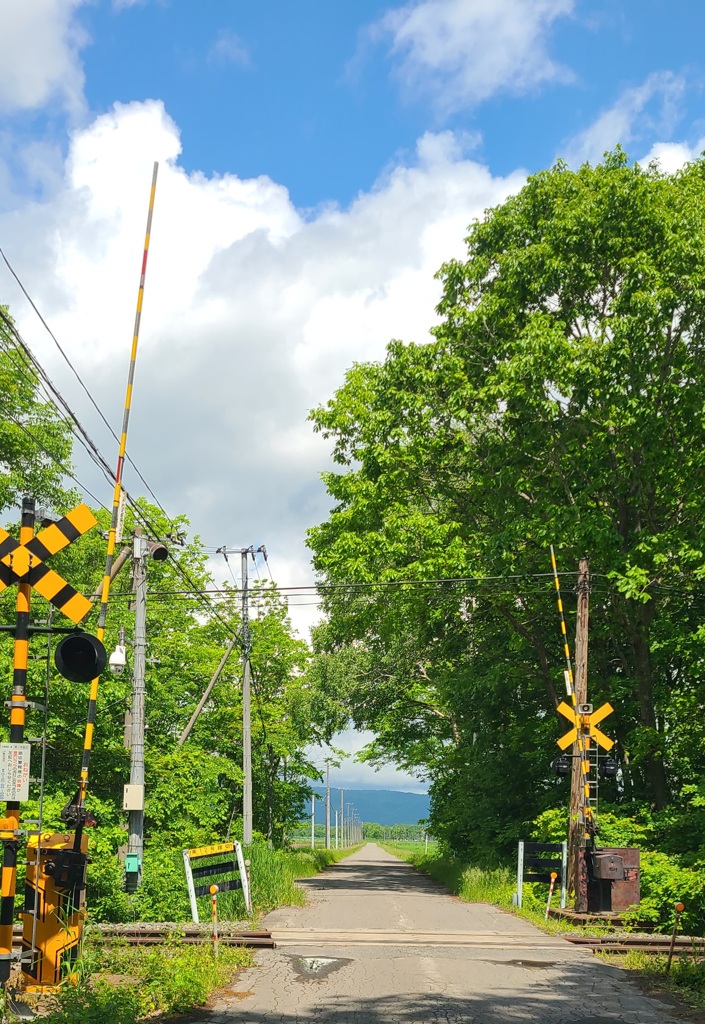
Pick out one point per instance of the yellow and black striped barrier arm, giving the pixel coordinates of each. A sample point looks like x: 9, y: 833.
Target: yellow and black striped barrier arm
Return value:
x: 112, y: 535
x: 582, y: 740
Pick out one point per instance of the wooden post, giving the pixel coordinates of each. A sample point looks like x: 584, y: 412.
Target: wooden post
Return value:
x: 576, y: 833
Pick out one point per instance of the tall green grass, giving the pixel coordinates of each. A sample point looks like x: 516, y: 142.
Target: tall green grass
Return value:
x: 127, y: 985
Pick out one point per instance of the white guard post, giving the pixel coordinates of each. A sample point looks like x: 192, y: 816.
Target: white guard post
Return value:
x: 234, y: 864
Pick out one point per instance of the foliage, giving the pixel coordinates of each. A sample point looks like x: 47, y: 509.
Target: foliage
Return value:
x: 559, y: 402
x: 171, y: 979
x: 34, y: 439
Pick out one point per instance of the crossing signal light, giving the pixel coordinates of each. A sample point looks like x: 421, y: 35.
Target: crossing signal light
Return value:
x: 157, y: 551
x: 562, y: 765
x: 608, y: 768
x: 80, y: 657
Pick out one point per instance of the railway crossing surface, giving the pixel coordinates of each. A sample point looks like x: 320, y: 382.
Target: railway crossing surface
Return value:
x: 379, y: 943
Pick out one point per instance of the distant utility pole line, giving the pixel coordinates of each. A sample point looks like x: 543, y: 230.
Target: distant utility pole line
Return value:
x: 246, y: 640
x: 246, y: 723
x: 327, y: 805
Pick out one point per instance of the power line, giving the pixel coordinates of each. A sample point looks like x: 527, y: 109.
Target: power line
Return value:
x: 78, y: 377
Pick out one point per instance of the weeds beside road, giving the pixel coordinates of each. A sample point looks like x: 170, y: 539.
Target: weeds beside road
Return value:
x: 120, y: 984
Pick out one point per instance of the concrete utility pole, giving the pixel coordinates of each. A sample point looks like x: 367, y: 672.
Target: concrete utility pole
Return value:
x: 135, y: 798
x: 336, y: 831
x: 313, y: 821
x: 342, y: 818
x: 576, y: 839
x: 327, y: 805
x: 246, y: 724
x: 348, y: 841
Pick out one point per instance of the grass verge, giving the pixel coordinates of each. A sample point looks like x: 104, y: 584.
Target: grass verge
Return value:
x: 130, y: 984
x: 274, y: 873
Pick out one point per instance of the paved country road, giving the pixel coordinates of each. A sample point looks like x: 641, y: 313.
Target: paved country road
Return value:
x: 380, y: 943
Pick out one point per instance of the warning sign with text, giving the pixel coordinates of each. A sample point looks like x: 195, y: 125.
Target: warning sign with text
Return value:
x: 14, y: 771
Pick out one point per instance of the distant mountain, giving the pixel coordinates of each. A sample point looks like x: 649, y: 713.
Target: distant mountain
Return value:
x: 385, y: 806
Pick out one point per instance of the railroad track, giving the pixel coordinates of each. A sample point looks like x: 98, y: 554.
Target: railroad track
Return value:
x: 189, y: 934
x: 684, y: 945
x: 159, y: 934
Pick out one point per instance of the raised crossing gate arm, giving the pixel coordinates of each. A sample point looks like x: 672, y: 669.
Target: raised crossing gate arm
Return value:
x: 232, y: 864
x: 536, y: 861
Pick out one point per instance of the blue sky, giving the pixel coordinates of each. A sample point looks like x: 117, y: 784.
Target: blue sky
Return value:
x: 318, y: 162
x: 322, y: 96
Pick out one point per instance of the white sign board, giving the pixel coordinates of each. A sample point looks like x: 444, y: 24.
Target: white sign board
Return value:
x: 14, y: 772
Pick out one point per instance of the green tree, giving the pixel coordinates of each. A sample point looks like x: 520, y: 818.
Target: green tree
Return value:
x: 35, y: 441
x: 559, y: 402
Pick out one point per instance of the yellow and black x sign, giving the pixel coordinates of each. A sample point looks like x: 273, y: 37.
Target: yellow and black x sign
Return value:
x: 588, y: 723
x: 25, y: 563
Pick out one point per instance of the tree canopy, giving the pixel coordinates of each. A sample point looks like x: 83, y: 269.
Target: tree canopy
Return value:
x: 560, y: 402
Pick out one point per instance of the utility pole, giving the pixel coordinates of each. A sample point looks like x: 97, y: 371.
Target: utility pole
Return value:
x: 576, y: 836
x: 327, y: 805
x: 135, y: 797
x: 246, y: 724
x: 342, y: 818
x: 313, y: 821
x: 336, y: 831
x: 349, y: 832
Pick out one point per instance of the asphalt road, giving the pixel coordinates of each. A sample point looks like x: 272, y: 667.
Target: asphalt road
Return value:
x: 380, y: 943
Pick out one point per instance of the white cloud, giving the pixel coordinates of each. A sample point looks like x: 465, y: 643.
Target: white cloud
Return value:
x: 649, y: 109
x: 41, y: 42
x: 229, y: 49
x: 353, y: 774
x: 252, y: 313
x: 671, y: 156
x: 464, y: 51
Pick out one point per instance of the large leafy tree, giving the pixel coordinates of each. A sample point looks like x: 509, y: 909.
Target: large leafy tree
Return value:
x: 561, y: 401
x: 35, y: 442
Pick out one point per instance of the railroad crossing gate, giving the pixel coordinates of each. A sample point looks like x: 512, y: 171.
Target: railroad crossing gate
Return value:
x: 233, y: 864
x: 26, y: 563
x: 56, y: 871
x: 54, y: 907
x: 584, y: 718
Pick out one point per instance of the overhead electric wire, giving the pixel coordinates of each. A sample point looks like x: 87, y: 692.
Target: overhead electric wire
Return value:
x: 78, y: 377
x: 59, y: 402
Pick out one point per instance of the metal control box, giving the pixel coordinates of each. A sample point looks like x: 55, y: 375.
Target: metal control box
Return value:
x: 608, y: 866
x: 610, y: 879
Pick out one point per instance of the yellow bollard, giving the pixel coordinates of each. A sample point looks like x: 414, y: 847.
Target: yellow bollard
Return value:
x: 680, y: 907
x: 554, y: 876
x: 214, y: 890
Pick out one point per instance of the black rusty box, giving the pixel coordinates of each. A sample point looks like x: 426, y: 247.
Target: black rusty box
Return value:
x: 608, y: 866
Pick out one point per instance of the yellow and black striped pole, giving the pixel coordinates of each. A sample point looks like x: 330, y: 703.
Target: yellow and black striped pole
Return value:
x: 105, y: 590
x: 9, y: 828
x: 583, y: 740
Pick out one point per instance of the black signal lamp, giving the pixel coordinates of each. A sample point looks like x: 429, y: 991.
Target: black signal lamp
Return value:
x: 157, y: 551
x: 608, y: 768
x: 563, y: 765
x: 80, y: 657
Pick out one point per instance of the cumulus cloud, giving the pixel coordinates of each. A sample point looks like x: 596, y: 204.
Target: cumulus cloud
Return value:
x: 41, y: 43
x: 649, y: 109
x: 464, y: 51
x: 671, y: 156
x: 229, y: 49
x: 252, y: 312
